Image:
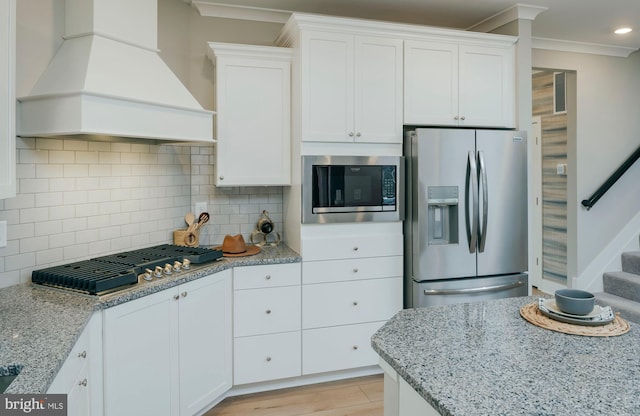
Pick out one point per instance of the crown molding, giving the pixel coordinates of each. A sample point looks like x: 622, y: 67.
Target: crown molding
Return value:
x: 515, y: 12
x: 226, y: 11
x: 581, y: 47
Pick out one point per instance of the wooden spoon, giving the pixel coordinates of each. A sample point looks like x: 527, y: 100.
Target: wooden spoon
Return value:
x: 202, y: 219
x: 189, y: 219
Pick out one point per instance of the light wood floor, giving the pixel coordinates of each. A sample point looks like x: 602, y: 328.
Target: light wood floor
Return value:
x: 354, y: 397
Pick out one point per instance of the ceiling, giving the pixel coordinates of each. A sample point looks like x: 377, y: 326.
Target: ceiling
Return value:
x: 585, y: 21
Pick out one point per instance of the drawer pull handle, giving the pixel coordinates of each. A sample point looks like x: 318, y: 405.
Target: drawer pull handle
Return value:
x: 268, y: 311
x: 355, y: 303
x: 184, y: 294
x: 355, y: 347
x: 83, y: 383
x: 268, y: 359
x: 82, y: 354
x: 355, y: 270
x: 268, y: 277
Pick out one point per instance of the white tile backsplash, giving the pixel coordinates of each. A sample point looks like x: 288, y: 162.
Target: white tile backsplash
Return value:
x: 80, y: 199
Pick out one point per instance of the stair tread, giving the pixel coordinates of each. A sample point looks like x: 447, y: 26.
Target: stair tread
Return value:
x: 628, y: 309
x: 624, y: 275
x: 623, y: 284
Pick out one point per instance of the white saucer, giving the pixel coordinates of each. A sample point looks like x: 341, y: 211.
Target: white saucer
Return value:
x: 551, y: 305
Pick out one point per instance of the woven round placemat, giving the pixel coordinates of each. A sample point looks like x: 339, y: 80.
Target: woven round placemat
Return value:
x: 616, y: 327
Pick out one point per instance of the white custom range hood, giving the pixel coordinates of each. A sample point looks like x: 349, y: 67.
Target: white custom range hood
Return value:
x: 107, y: 80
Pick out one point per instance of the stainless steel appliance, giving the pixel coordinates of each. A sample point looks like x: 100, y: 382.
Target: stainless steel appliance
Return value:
x: 352, y: 188
x: 466, y: 228
x: 103, y: 275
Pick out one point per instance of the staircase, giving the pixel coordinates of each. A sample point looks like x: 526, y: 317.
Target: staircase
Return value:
x: 622, y: 289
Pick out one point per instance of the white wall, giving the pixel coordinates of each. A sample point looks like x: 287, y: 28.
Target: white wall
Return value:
x: 608, y: 131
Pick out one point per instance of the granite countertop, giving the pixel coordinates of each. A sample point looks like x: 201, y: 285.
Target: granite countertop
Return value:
x: 484, y: 359
x: 39, y: 326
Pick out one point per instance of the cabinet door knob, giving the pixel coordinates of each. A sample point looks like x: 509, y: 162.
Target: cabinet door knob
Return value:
x: 268, y: 277
x: 350, y: 134
x: 355, y: 248
x: 355, y: 347
x: 268, y: 311
x: 82, y: 354
x: 176, y: 297
x: 358, y: 134
x: 355, y: 270
x: 268, y: 359
x: 462, y: 118
x: 456, y: 118
x: 83, y: 383
x: 221, y: 178
x: 355, y: 303
x: 184, y: 294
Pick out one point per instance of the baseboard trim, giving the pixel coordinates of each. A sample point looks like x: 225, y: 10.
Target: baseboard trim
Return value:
x: 303, y: 380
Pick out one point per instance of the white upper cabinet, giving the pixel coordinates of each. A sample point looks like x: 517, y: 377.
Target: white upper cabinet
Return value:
x: 7, y: 99
x: 253, y: 106
x: 458, y: 84
x: 351, y: 88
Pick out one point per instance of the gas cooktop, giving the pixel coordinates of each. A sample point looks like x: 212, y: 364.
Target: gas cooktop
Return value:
x: 107, y: 274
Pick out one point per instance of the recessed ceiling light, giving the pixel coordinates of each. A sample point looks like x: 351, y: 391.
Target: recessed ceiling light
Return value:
x: 622, y: 30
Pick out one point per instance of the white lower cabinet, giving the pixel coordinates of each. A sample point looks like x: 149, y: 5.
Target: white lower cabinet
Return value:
x: 350, y: 302
x: 352, y: 284
x: 266, y: 311
x: 338, y: 348
x: 266, y: 357
x: 410, y: 403
x: 169, y: 353
x: 205, y: 341
x: 400, y: 399
x: 266, y: 323
x: 80, y: 377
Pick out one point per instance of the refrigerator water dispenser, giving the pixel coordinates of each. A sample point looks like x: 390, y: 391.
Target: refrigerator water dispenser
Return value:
x: 442, y: 227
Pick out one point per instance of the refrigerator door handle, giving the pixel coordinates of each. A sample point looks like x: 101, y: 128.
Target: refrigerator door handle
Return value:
x: 485, y: 202
x: 472, y: 223
x: 495, y: 288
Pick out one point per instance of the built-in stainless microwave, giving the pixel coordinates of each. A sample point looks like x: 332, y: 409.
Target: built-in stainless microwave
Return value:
x: 352, y: 188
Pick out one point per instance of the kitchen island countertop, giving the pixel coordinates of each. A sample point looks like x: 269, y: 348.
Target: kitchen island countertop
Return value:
x: 39, y: 326
x: 484, y: 359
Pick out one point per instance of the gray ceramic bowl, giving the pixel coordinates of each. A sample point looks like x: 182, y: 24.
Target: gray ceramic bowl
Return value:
x: 574, y: 301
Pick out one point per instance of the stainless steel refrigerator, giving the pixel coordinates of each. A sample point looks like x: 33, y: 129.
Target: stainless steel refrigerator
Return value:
x: 466, y: 225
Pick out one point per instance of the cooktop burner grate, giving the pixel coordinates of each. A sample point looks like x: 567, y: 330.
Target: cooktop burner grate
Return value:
x: 108, y: 273
x: 88, y: 276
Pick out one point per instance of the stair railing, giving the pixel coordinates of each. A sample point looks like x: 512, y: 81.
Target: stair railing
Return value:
x: 588, y: 203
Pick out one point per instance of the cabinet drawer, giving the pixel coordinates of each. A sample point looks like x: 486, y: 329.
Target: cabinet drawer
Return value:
x: 356, y: 246
x: 329, y: 304
x: 266, y: 357
x: 75, y: 364
x: 266, y: 311
x: 338, y: 348
x: 351, y: 269
x: 272, y: 275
